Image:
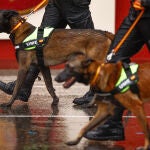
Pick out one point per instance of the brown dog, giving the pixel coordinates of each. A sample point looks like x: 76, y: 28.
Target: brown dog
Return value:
x: 103, y: 77
x: 62, y: 44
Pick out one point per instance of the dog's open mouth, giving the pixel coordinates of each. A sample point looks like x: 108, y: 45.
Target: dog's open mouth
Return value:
x: 68, y: 83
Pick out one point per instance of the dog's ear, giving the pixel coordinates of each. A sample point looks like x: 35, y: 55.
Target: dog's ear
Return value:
x: 87, y: 62
x: 109, y: 74
x: 105, y: 74
x: 10, y: 13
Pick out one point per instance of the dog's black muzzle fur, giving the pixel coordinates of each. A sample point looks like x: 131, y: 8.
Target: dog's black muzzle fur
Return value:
x: 68, y: 73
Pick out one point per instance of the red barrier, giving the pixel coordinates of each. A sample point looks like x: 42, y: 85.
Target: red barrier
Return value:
x: 7, y: 55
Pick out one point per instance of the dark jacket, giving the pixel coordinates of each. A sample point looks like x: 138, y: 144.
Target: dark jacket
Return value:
x: 73, y: 3
x: 69, y: 8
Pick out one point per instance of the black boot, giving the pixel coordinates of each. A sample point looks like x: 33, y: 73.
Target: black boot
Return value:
x: 25, y: 91
x: 112, y: 129
x: 85, y: 99
x: 7, y: 87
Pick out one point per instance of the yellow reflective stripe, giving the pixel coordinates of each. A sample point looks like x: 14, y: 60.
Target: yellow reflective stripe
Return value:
x: 47, y: 31
x: 123, y: 76
x: 30, y: 48
x: 33, y: 36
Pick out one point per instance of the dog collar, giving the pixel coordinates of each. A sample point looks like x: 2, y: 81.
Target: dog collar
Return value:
x: 21, y: 21
x: 96, y: 74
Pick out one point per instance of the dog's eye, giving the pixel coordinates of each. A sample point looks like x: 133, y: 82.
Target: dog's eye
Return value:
x: 68, y: 67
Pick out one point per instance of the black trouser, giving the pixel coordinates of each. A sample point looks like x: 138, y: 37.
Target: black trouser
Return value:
x: 74, y: 13
x: 139, y: 36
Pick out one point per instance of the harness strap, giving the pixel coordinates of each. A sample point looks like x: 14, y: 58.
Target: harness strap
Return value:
x: 39, y: 46
x: 29, y: 45
x: 134, y: 88
x: 130, y: 81
x: 12, y: 38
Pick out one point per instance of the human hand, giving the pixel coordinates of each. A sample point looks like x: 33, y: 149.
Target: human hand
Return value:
x: 137, y: 5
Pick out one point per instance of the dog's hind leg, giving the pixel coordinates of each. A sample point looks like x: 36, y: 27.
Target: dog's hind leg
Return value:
x: 139, y: 112
x: 20, y: 79
x: 49, y: 84
x: 135, y: 105
x: 104, y: 110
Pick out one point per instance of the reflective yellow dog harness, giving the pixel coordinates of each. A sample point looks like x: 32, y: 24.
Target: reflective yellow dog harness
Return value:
x: 31, y: 41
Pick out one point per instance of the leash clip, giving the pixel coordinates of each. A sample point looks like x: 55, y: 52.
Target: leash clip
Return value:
x: 110, y: 55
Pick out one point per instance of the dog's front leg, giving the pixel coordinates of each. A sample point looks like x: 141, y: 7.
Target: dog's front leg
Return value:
x: 135, y: 105
x: 103, y: 112
x: 20, y: 79
x: 49, y: 84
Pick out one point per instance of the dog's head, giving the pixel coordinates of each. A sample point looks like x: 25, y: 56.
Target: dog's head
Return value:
x: 5, y: 20
x: 73, y: 71
x: 82, y: 70
x: 76, y: 70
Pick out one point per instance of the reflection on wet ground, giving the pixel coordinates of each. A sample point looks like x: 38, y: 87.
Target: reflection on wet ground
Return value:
x: 38, y: 126
x: 23, y: 129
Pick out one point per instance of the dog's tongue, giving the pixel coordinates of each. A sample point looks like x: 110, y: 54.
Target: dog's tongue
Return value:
x: 69, y: 82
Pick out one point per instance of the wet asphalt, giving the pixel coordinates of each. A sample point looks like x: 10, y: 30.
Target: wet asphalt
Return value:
x: 36, y: 125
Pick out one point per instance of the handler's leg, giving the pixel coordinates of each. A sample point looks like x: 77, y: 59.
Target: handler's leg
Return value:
x: 25, y: 91
x: 82, y: 19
